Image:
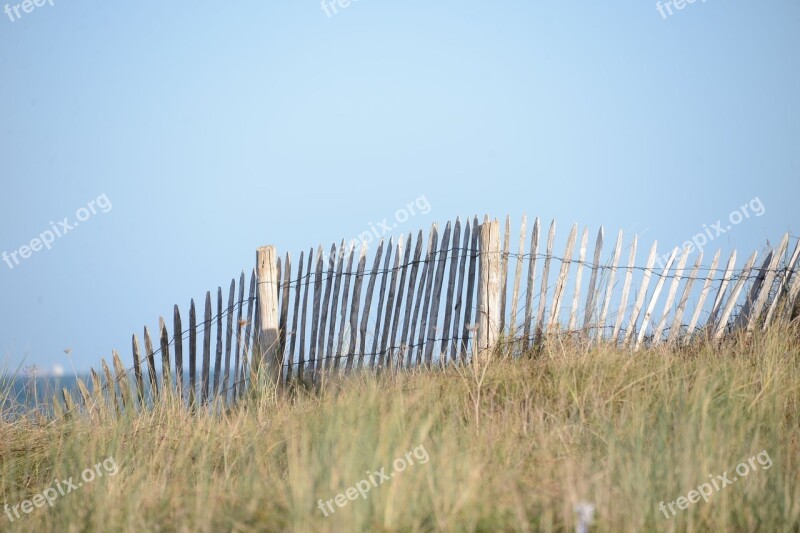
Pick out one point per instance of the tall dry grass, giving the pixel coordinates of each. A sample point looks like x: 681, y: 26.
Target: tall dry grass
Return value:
x: 514, y: 448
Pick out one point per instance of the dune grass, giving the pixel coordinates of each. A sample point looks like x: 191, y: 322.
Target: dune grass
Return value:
x: 514, y: 448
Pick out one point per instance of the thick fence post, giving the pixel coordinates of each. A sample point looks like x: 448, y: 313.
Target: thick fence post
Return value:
x: 267, y: 275
x: 489, y: 319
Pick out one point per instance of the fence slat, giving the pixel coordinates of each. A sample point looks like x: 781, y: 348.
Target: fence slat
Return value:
x: 545, y: 275
x: 783, y: 284
x: 594, y: 291
x: 137, y: 368
x: 458, y: 305
x: 312, y: 350
x: 405, y: 341
x: 252, y: 314
x: 381, y: 299
x: 368, y: 303
x: 610, y: 287
x: 673, y: 290
x: 239, y: 326
x: 742, y: 317
x: 337, y: 287
x: 573, y: 315
x: 654, y: 299
x: 399, y: 303
x: 675, y: 328
x: 430, y: 266
x: 704, y: 293
x: 737, y: 288
x: 642, y: 294
x: 283, y: 318
x: 530, y: 288
x: 326, y: 301
x: 164, y: 339
x: 301, y: 358
x: 228, y: 339
x: 362, y: 261
x: 345, y: 297
x: 470, y: 289
x: 513, y: 329
x: 123, y: 382
x: 218, y: 352
x: 433, y: 318
x: 561, y: 282
x: 206, y: 348
x: 758, y: 306
x: 151, y: 363
x: 293, y: 333
x: 504, y: 274
x: 623, y: 304
x: 383, y: 359
x: 451, y: 282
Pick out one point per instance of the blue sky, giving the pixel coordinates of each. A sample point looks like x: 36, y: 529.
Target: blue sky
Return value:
x: 215, y: 128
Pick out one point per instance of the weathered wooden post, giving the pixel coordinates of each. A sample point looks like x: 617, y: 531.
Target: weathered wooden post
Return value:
x: 489, y: 320
x: 268, y: 354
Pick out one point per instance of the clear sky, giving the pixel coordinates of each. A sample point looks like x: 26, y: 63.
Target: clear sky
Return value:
x: 202, y: 130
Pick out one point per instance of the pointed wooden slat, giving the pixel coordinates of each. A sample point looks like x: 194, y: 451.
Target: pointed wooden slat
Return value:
x: 561, y: 282
x: 404, y: 342
x: 433, y: 318
x: 398, y: 308
x: 326, y: 301
x: 192, y: 352
x: 420, y: 303
x: 251, y: 358
x: 761, y: 300
x: 376, y: 335
x: 504, y: 274
x: 473, y: 260
x: 654, y: 299
x: 293, y: 334
x: 312, y: 351
x: 677, y: 320
x: 545, y: 280
x: 123, y: 383
x: 573, y: 316
x: 512, y: 328
x: 218, y: 350
x: 623, y: 304
x: 283, y: 318
x: 530, y: 288
x: 794, y: 291
x: 592, y: 294
x: 426, y: 301
x: 459, y: 294
x: 704, y: 294
x: 343, y: 317
x: 601, y: 323
x: 354, y: 309
x: 250, y: 322
x: 239, y: 326
x: 337, y: 287
x: 373, y: 275
x: 228, y: 339
x: 785, y: 277
x: 151, y: 363
x: 206, y: 348
x: 451, y: 286
x: 387, y: 319
x: 164, y: 339
x: 642, y: 294
x: 737, y: 288
x: 743, y: 316
x: 721, y: 291
x: 673, y: 290
x: 301, y: 357
x: 177, y: 341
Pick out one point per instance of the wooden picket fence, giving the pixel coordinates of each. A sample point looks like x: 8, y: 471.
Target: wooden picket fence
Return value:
x: 419, y: 302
